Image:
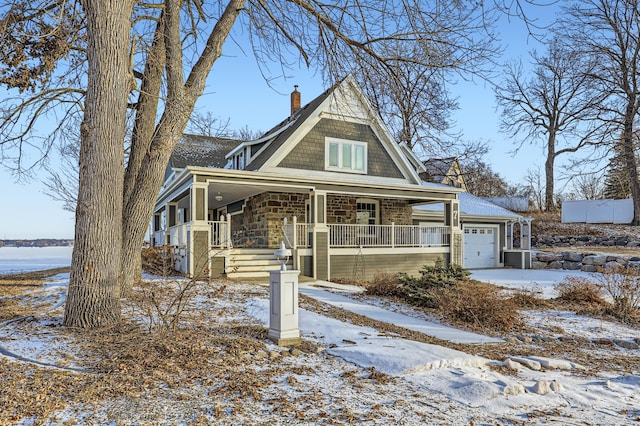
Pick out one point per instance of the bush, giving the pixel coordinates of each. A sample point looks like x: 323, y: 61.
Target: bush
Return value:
x: 421, y: 290
x: 580, y: 290
x: 478, y: 304
x: 159, y: 261
x: 384, y: 284
x: 528, y: 299
x: 622, y: 284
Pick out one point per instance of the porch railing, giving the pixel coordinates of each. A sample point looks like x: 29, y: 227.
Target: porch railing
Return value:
x: 221, y: 233
x: 178, y: 235
x: 389, y: 236
x: 296, y: 234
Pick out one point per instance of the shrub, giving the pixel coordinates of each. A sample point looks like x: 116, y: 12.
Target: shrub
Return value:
x: 384, y: 284
x: 580, y: 290
x: 159, y: 261
x: 479, y: 305
x: 421, y: 290
x: 528, y: 299
x: 622, y: 284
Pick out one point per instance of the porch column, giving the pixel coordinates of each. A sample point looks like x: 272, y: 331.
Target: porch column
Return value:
x: 525, y: 234
x: 200, y: 231
x: 157, y: 226
x: 452, y: 219
x: 320, y: 231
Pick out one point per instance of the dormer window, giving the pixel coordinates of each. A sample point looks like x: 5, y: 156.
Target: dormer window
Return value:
x: 345, y: 155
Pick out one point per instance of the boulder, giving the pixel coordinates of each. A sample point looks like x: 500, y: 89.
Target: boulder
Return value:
x: 594, y: 259
x: 572, y: 256
x: 538, y: 265
x: 571, y: 266
x: 548, y: 257
x: 589, y: 268
x: 555, y: 265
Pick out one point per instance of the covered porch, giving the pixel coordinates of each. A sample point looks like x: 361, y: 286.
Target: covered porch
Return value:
x: 226, y: 222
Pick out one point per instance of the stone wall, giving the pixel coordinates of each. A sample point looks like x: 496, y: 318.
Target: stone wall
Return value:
x: 546, y: 241
x: 588, y: 262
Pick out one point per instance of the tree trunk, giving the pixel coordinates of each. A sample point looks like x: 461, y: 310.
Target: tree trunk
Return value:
x: 630, y: 160
x: 94, y: 287
x: 145, y: 183
x: 550, y: 204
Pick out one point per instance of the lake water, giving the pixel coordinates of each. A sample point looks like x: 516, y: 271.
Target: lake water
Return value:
x: 24, y: 259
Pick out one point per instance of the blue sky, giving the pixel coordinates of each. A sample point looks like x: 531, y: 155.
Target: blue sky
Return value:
x: 237, y: 91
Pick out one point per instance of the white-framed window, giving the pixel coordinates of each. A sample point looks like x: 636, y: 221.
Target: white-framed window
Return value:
x: 345, y: 155
x: 367, y: 211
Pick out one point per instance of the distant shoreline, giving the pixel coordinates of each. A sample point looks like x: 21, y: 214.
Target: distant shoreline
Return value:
x: 39, y: 242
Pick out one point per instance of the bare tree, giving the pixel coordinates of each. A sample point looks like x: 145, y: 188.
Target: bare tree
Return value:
x: 535, y: 188
x: 609, y: 31
x: 483, y: 181
x: 206, y: 124
x: 154, y: 58
x: 554, y: 107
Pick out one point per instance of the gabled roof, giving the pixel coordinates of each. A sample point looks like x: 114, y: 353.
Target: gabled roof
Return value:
x: 438, y: 168
x: 282, y: 131
x: 202, y: 151
x: 471, y: 206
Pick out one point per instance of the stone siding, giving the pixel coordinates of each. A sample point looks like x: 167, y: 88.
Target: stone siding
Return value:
x: 342, y: 209
x: 261, y: 223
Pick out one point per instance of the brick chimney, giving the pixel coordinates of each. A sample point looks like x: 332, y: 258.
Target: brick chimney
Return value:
x: 295, y: 100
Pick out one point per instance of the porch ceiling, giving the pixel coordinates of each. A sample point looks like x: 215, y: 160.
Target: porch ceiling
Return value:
x: 232, y: 192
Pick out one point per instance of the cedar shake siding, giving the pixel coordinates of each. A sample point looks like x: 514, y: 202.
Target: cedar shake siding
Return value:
x: 309, y: 153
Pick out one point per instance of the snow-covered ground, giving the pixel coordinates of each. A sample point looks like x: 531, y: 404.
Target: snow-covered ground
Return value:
x: 539, y: 281
x: 531, y: 389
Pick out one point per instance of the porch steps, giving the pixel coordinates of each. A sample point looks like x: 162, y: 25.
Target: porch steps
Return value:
x: 251, y: 263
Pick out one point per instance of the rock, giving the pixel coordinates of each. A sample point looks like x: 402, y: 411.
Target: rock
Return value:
x: 571, y: 266
x: 550, y: 363
x: 514, y: 389
x: 555, y: 265
x: 556, y: 386
x: 512, y: 365
x: 295, y: 352
x: 594, y: 259
x: 637, y: 340
x: 633, y: 243
x: 634, y: 258
x: 541, y: 387
x: 548, y: 257
x: 524, y: 339
x: 572, y: 257
x: 589, y: 268
x: 531, y: 364
x: 622, y: 241
x: 538, y: 265
x: 260, y: 355
x: 274, y: 354
x: 626, y: 344
x: 612, y: 265
x: 633, y: 263
x: 512, y: 340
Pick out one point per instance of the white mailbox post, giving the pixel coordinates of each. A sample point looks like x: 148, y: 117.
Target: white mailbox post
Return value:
x: 283, y: 306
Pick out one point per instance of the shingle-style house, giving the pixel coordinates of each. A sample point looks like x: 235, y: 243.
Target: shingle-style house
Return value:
x: 329, y: 181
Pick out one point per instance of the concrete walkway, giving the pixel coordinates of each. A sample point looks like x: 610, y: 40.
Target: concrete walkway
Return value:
x: 429, y: 328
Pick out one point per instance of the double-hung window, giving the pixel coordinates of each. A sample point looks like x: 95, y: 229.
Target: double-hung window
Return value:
x: 345, y: 155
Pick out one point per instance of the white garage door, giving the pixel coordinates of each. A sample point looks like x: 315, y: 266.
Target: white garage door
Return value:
x: 479, y: 247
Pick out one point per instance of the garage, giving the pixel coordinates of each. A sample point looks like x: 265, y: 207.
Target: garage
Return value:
x: 479, y: 247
